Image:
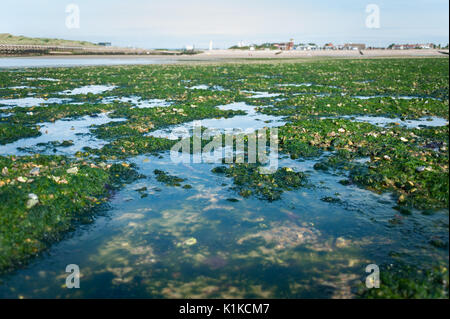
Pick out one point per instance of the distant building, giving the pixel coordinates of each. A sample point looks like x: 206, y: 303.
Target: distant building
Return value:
x: 403, y: 46
x: 413, y: 46
x: 104, y: 44
x: 287, y: 46
x: 354, y: 46
x: 329, y: 46
x: 427, y: 46
x: 306, y: 47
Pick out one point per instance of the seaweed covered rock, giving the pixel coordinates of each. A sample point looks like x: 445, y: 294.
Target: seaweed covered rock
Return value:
x: 167, y: 179
x: 249, y: 180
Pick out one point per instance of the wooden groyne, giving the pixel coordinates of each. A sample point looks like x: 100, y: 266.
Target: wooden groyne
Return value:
x: 23, y: 49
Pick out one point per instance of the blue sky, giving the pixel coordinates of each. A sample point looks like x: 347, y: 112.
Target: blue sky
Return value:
x: 176, y: 23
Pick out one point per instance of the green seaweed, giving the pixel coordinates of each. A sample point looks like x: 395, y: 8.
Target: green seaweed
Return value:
x: 167, y: 179
x: 248, y: 180
x: 400, y: 281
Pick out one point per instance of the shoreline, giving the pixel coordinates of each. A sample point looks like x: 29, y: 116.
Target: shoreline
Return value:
x: 226, y: 54
x: 210, y: 57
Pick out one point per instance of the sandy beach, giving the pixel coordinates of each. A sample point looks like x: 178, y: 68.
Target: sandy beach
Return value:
x: 213, y: 55
x: 238, y: 54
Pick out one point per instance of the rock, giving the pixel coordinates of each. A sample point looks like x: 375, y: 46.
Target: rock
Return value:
x: 285, y: 236
x: 33, y: 200
x: 59, y: 180
x: 35, y: 171
x: 22, y: 179
x: 330, y: 199
x: 190, y: 242
x: 73, y: 170
x: 403, y: 139
x: 420, y: 169
x: 341, y: 242
x: 5, y: 171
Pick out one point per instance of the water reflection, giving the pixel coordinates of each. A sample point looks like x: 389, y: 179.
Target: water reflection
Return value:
x: 36, y: 62
x: 75, y: 132
x: 297, y: 247
x: 248, y: 123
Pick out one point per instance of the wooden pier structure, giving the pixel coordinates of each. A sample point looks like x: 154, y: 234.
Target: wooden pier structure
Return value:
x: 23, y: 49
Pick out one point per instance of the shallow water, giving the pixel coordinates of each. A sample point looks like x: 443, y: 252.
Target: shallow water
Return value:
x: 399, y: 97
x: 30, y: 102
x: 384, y: 121
x: 299, y: 246
x: 22, y: 87
x: 248, y: 123
x: 43, y: 79
x: 138, y: 102
x: 207, y: 87
x: 307, y: 84
x: 93, y: 89
x: 73, y: 62
x: 75, y: 130
x: 296, y: 84
x: 261, y: 95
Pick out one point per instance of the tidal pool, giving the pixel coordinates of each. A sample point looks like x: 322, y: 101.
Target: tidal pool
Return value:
x: 157, y: 241
x: 248, y: 123
x: 207, y: 87
x: 261, y: 95
x: 399, y: 97
x: 43, y: 79
x: 30, y: 102
x: 383, y: 121
x: 39, y: 62
x: 93, y: 89
x: 137, y: 101
x: 306, y: 84
x: 74, y: 130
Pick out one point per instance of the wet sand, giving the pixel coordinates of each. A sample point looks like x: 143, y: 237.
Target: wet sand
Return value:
x: 239, y: 54
x: 223, y: 54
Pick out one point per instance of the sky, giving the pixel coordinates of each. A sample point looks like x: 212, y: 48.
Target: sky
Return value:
x: 177, y: 23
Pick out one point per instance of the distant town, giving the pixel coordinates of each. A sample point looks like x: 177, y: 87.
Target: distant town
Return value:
x: 11, y: 45
x: 288, y: 46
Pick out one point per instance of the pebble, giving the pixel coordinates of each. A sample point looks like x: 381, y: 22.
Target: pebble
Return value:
x: 73, y: 170
x: 35, y: 171
x: 33, y: 200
